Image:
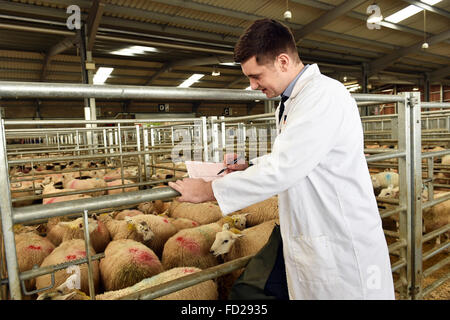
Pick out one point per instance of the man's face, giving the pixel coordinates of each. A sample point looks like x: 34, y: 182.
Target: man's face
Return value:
x: 266, y: 77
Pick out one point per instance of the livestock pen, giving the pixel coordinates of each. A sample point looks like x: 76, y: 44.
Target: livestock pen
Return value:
x: 143, y: 144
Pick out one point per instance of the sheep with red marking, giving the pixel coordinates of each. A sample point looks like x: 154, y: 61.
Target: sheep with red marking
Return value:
x: 127, y: 213
x: 161, y: 228
x: 84, y: 184
x: 206, y: 290
x: 127, y: 262
x: 118, y: 182
x: 127, y: 228
x: 190, y: 247
x: 50, y: 188
x: 31, y: 251
x: 69, y: 251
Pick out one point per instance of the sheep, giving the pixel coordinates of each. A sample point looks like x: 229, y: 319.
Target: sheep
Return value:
x: 127, y: 213
x: 31, y: 251
x: 65, y: 291
x: 192, y: 244
x: 154, y: 207
x: 118, y: 182
x: 78, y: 184
x: 384, y: 179
x: 127, y: 262
x: 231, y: 244
x: 98, y: 233
x: 183, y: 223
x: 161, y: 228
x: 438, y: 215
x: 117, y: 173
x: 126, y: 229
x: 260, y: 212
x: 190, y: 247
x: 65, y: 252
x: 202, y: 213
x: 20, y: 186
x: 206, y: 290
x: 50, y: 188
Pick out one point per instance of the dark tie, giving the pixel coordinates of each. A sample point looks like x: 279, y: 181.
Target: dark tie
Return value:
x: 280, y: 114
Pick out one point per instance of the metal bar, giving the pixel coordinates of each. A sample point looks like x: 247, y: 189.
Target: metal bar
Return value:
x: 11, y: 89
x: 385, y: 156
x: 426, y: 291
x: 435, y: 233
x: 189, y: 280
x: 7, y: 221
x: 87, y: 243
x: 436, y: 266
x: 431, y: 253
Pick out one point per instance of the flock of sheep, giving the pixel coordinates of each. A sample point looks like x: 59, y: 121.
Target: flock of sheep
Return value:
x: 143, y: 246
x: 386, y: 186
x: 153, y: 242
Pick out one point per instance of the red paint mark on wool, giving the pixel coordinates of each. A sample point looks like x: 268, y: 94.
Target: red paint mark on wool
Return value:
x: 188, y: 270
x: 34, y: 247
x: 142, y: 256
x: 189, y: 244
x: 194, y: 223
x: 166, y: 221
x: 77, y: 254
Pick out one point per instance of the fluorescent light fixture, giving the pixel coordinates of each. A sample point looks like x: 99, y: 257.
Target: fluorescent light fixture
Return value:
x: 232, y: 64
x: 192, y: 79
x: 408, y: 11
x: 102, y: 74
x: 215, y: 72
x: 248, y: 88
x: 415, y: 89
x: 134, y: 50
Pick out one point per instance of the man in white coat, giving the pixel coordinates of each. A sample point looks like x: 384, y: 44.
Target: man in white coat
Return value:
x: 333, y: 242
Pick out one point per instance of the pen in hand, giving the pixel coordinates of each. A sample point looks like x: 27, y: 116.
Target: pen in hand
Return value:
x: 234, y: 162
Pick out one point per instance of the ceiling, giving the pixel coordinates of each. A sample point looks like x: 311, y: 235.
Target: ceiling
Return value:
x: 193, y: 36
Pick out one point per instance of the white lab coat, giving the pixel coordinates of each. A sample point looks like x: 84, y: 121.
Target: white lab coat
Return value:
x: 333, y: 242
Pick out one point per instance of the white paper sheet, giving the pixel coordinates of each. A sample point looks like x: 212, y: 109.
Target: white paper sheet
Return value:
x: 204, y: 170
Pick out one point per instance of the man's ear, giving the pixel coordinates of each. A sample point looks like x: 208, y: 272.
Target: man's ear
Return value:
x: 283, y: 61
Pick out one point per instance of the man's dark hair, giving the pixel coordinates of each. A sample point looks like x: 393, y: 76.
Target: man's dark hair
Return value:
x: 265, y: 39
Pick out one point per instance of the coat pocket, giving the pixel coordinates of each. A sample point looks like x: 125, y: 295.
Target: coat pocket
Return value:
x: 313, y: 259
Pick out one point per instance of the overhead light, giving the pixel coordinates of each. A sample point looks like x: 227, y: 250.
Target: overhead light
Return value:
x: 287, y: 15
x: 408, y: 11
x: 192, y: 79
x: 102, y: 74
x: 231, y: 64
x: 215, y: 72
x: 415, y: 89
x: 134, y: 50
x: 248, y: 88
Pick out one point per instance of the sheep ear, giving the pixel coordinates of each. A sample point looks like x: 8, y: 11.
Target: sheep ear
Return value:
x: 80, y: 226
x: 225, y: 227
x: 246, y: 214
x: 94, y: 216
x: 237, y: 235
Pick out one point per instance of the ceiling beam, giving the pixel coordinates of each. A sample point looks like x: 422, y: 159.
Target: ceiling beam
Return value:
x: 326, y: 18
x: 54, y: 50
x: 427, y: 7
x: 93, y: 22
x: 385, y: 61
x: 439, y: 74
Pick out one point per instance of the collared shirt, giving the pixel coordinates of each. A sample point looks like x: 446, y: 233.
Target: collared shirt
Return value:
x: 287, y: 92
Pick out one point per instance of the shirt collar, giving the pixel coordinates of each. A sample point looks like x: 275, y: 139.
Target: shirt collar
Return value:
x: 287, y: 92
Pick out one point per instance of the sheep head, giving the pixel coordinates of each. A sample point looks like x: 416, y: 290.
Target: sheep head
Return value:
x: 239, y: 220
x: 389, y: 192
x: 142, y: 228
x: 375, y: 182
x: 65, y: 291
x: 224, y: 240
x: 78, y: 224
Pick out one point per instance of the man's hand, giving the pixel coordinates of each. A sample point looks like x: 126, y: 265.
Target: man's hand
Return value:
x: 193, y: 190
x: 239, y: 166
